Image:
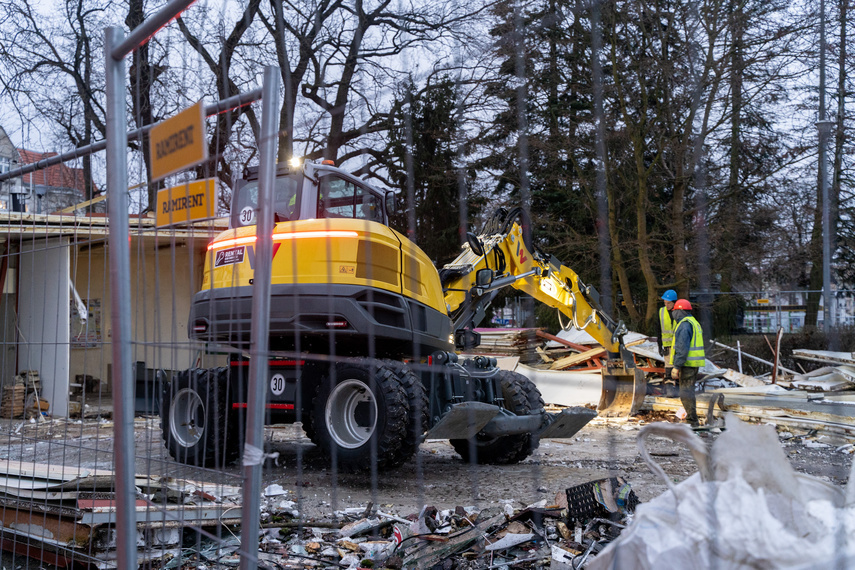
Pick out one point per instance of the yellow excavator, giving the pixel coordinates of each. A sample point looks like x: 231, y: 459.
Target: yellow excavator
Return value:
x: 364, y: 333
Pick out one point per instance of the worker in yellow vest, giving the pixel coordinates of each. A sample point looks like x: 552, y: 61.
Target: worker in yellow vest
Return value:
x: 687, y: 356
x: 666, y: 328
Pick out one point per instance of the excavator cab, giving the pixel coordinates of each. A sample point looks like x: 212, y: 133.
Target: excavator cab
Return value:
x: 313, y: 191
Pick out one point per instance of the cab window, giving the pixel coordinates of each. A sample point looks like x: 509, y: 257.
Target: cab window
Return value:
x: 338, y: 198
x: 285, y: 201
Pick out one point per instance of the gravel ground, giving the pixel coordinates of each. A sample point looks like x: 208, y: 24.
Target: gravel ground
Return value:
x: 435, y: 476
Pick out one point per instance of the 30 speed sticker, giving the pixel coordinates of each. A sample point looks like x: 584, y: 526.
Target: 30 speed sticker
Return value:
x: 247, y: 215
x: 277, y: 384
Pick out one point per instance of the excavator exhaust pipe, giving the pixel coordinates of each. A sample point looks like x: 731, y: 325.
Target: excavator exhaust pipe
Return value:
x: 623, y: 392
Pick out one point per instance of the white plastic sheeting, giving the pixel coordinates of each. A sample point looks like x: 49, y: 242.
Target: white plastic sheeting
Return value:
x: 745, y: 508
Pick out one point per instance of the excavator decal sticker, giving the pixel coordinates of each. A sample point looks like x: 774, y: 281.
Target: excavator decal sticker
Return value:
x: 520, y: 255
x: 251, y: 256
x: 229, y: 256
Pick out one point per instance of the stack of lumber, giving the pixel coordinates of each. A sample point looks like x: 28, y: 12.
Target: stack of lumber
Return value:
x: 509, y: 342
x: 12, y: 404
x: 30, y: 379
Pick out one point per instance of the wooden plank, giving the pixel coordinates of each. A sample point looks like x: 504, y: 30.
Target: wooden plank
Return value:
x: 46, y: 471
x: 568, y: 361
x: 543, y: 356
x: 743, y: 379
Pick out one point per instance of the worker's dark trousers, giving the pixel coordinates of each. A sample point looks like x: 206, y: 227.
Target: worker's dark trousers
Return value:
x: 666, y: 352
x: 688, y: 377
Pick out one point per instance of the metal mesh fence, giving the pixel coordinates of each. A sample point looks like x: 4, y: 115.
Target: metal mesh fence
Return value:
x: 285, y: 380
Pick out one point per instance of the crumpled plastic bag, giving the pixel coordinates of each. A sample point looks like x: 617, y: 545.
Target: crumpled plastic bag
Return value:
x: 745, y: 508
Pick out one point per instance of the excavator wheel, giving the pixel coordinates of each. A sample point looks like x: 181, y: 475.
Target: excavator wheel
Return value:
x: 506, y: 449
x: 418, y: 407
x: 535, y: 402
x: 195, y: 418
x: 360, y: 415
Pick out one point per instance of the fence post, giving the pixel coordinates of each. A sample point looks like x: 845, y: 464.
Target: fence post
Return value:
x: 260, y: 326
x: 120, y: 302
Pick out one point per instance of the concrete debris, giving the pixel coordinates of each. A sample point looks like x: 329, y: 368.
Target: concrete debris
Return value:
x: 743, y: 380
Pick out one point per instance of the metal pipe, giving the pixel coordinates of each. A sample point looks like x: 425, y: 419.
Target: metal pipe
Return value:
x: 120, y: 303
x: 739, y: 355
x: 222, y: 106
x: 260, y: 326
x: 752, y: 357
x: 149, y: 27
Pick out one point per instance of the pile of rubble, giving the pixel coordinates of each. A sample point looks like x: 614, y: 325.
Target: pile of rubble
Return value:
x: 580, y: 522
x: 66, y: 515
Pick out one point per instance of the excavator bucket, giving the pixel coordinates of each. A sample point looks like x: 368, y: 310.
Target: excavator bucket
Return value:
x: 623, y: 392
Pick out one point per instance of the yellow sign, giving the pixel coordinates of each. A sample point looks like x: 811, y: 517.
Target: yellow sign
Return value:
x: 763, y: 301
x: 186, y: 203
x: 178, y: 142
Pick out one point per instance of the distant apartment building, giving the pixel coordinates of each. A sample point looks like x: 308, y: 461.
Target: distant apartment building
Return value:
x: 9, y: 159
x: 786, y: 309
x: 44, y: 191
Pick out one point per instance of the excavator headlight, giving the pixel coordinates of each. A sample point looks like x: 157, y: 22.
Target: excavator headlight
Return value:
x: 295, y: 162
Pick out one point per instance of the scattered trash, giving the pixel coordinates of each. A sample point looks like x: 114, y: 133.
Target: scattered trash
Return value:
x: 274, y: 490
x: 745, y: 508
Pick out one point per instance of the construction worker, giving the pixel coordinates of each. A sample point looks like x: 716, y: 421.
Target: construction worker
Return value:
x: 666, y: 327
x: 687, y: 356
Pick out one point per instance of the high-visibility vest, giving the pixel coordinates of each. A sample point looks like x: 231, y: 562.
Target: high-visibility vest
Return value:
x: 696, y: 355
x: 667, y: 324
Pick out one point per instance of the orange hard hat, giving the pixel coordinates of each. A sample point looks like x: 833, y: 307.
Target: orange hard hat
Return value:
x: 682, y: 305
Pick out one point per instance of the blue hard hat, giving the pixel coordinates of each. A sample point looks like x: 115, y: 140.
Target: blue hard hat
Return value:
x: 669, y: 295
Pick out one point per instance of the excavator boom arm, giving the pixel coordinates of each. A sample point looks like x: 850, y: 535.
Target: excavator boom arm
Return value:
x: 499, y: 258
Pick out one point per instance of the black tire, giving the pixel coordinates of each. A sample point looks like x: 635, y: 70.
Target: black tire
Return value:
x: 359, y: 415
x: 195, y: 418
x: 536, y: 405
x: 504, y: 449
x: 418, y: 409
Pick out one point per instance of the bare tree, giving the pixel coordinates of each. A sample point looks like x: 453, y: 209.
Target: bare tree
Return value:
x: 53, y: 61
x: 340, y: 55
x: 221, y: 65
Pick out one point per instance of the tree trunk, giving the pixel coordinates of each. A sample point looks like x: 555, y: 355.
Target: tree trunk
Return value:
x: 141, y: 80
x: 731, y: 204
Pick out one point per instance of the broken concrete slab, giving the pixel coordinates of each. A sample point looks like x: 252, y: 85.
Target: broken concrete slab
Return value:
x: 827, y: 379
x: 825, y: 356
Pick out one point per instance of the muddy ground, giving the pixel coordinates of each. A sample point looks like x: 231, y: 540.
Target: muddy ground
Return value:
x: 435, y: 476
